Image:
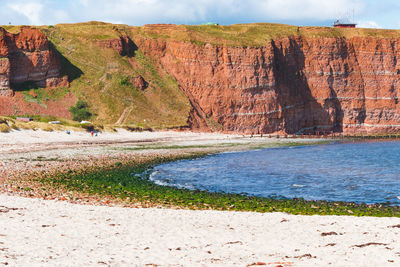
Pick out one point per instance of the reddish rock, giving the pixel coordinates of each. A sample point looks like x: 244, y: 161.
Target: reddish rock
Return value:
x: 291, y: 85
x: 54, y: 82
x: 27, y: 56
x: 140, y: 83
x: 4, y: 74
x: 16, y: 105
x: 123, y: 45
x: 6, y: 92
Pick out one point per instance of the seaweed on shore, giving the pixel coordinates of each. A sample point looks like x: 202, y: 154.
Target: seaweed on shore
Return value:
x: 124, y: 181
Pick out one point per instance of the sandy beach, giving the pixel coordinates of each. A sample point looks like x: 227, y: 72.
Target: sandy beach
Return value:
x: 53, y: 233
x: 37, y: 232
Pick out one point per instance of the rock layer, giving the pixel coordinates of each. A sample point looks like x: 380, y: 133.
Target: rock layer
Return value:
x: 123, y: 45
x: 28, y: 57
x: 290, y: 85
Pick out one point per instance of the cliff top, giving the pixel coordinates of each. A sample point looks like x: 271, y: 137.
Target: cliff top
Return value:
x: 232, y: 35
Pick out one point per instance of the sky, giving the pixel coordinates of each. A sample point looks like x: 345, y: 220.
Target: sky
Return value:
x: 367, y: 13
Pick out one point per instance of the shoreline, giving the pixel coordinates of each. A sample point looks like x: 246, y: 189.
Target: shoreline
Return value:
x: 132, y: 150
x: 165, y: 235
x: 33, y: 152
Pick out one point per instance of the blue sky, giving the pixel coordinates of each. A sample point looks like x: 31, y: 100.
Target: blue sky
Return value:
x: 367, y: 13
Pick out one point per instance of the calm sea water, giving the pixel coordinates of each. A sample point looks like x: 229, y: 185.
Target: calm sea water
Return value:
x: 359, y: 172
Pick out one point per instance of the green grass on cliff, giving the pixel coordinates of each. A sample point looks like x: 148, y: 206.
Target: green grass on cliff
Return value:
x: 251, y: 35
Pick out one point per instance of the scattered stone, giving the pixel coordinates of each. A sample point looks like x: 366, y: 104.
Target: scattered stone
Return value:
x: 47, y: 225
x: 308, y: 255
x: 329, y: 233
x: 370, y: 244
x: 4, y: 209
x: 256, y: 263
x: 234, y: 242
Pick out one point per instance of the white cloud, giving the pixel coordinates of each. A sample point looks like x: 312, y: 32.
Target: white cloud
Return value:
x: 368, y: 24
x: 310, y: 9
x: 197, y: 11
x: 31, y: 10
x: 138, y: 12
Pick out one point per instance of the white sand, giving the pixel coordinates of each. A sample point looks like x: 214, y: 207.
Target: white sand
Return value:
x: 29, y: 140
x: 19, y: 141
x: 28, y: 144
x: 50, y: 233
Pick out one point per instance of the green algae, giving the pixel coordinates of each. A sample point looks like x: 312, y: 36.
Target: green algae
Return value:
x: 129, y: 182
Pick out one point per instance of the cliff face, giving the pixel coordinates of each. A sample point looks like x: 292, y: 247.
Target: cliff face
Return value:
x: 124, y: 46
x: 27, y: 56
x: 290, y: 85
x: 247, y: 78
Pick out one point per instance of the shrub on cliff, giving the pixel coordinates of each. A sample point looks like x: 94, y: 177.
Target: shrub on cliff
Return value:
x: 80, y: 111
x: 125, y: 81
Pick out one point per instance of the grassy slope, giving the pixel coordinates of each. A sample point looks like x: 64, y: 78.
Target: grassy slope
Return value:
x: 98, y: 73
x: 98, y: 76
x: 101, y: 82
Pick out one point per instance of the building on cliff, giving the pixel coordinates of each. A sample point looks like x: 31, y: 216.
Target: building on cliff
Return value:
x: 340, y: 24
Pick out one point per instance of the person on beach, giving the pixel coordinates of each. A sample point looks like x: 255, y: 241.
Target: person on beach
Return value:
x: 92, y: 133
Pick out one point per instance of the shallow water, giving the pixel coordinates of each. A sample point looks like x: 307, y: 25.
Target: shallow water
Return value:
x: 359, y: 172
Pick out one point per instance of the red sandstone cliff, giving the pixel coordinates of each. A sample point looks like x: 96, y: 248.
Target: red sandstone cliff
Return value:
x: 290, y: 85
x: 27, y: 56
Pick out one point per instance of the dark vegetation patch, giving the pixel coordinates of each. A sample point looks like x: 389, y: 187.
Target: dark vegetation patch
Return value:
x: 80, y: 111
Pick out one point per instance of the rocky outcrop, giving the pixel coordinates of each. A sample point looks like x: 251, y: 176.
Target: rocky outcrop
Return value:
x: 139, y: 82
x: 290, y: 85
x: 28, y: 57
x: 4, y: 76
x: 123, y: 45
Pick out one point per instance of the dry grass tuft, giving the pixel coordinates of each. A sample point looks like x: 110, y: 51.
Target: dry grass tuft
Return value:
x: 4, y: 128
